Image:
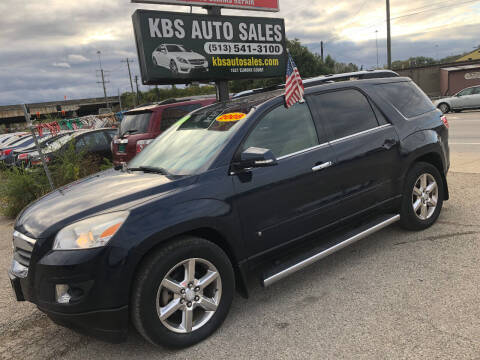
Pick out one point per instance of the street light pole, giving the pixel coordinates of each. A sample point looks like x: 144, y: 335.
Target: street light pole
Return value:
x: 376, y: 41
x: 389, y: 39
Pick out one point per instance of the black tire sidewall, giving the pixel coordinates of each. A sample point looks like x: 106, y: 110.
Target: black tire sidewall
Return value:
x: 408, y: 218
x: 447, y: 108
x: 153, y: 274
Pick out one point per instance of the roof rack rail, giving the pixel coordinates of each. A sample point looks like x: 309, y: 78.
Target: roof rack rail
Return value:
x: 326, y: 79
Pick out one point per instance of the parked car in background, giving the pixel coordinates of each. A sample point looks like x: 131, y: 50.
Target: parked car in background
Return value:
x: 238, y: 190
x: 22, y: 141
x: 94, y: 142
x: 465, y: 99
x: 20, y: 155
x: 143, y: 124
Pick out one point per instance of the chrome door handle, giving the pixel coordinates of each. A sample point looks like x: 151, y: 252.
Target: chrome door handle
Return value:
x: 322, y: 166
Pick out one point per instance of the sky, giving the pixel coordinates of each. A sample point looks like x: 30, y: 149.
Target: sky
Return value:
x: 48, y: 48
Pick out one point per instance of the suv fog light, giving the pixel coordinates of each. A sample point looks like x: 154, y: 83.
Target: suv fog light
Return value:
x: 61, y: 294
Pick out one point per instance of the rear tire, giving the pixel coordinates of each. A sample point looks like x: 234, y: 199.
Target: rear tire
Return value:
x: 444, y: 108
x: 177, y: 300
x: 422, y: 197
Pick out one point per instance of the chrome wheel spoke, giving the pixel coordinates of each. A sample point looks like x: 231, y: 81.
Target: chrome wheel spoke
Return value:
x: 424, y: 212
x: 172, y: 285
x: 207, y: 279
x: 207, y: 303
x: 190, y: 270
x: 417, y: 204
x: 187, y: 320
x: 423, y: 181
x: 169, y: 309
x: 432, y: 202
x: 417, y: 191
x: 431, y: 187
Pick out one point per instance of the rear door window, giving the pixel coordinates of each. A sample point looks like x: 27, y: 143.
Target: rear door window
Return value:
x: 284, y: 131
x: 465, y: 92
x: 407, y: 98
x: 95, y: 141
x: 345, y: 112
x: 171, y: 114
x: 135, y: 123
x: 476, y: 90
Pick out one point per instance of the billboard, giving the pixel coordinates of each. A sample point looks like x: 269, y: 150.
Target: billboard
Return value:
x: 261, y: 5
x: 176, y: 48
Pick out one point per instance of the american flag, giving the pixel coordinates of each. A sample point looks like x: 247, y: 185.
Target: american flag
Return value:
x: 293, y: 85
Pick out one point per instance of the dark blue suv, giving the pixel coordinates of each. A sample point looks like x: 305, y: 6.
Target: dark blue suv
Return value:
x: 235, y: 191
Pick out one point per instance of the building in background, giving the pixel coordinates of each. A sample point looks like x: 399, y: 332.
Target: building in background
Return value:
x: 440, y: 80
x: 474, y: 55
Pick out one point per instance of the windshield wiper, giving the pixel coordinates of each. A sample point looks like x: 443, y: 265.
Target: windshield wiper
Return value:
x: 129, y: 132
x: 150, y: 169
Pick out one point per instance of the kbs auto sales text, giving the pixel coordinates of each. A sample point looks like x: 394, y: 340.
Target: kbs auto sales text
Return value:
x: 218, y: 30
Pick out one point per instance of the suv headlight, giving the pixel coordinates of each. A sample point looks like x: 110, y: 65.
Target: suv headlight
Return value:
x: 90, y: 233
x: 182, y: 60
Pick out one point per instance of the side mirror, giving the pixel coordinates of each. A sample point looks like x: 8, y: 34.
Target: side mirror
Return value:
x: 254, y: 157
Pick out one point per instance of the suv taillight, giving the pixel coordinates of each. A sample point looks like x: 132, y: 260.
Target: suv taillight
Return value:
x: 445, y: 121
x: 141, y: 144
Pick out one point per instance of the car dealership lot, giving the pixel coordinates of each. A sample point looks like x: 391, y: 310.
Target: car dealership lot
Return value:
x: 395, y: 294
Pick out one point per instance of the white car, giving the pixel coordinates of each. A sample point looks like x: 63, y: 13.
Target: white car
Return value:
x: 178, y: 59
x: 468, y: 98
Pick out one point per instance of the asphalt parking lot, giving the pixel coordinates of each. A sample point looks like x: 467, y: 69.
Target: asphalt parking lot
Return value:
x: 393, y: 295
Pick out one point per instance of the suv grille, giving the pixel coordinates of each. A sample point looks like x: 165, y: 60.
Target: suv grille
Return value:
x: 197, y: 62
x: 22, y: 248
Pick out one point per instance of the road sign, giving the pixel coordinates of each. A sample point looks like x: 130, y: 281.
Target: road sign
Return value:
x: 260, y: 5
x: 181, y: 48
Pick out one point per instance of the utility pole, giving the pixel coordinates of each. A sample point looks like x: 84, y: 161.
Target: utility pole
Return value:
x: 128, y: 61
x: 389, y: 39
x: 136, y: 82
x: 222, y: 85
x: 103, y: 82
x: 321, y: 49
x: 376, y: 41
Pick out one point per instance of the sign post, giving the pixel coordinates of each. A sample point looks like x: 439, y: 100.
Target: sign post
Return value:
x: 32, y: 129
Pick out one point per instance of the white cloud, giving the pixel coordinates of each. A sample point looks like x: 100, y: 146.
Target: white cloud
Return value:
x: 77, y: 59
x: 64, y: 65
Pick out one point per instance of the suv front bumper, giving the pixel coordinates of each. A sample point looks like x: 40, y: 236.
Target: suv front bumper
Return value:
x: 97, y: 311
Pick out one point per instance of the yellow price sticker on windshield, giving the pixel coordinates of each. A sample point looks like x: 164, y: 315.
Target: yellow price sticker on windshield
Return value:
x: 231, y: 117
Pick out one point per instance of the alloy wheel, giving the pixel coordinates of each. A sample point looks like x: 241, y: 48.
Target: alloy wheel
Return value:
x: 189, y: 295
x: 424, y: 196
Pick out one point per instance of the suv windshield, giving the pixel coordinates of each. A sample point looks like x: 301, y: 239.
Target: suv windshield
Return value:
x: 135, y: 123
x: 191, y: 144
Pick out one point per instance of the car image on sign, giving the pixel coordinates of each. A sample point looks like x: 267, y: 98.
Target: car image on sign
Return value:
x: 179, y: 59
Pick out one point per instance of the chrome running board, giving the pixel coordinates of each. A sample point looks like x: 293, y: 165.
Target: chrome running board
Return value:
x: 359, y: 234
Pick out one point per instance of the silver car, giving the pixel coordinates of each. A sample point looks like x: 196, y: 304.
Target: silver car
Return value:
x: 468, y: 98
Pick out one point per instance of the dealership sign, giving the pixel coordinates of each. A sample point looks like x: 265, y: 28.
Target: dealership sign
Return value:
x: 181, y: 48
x: 262, y: 5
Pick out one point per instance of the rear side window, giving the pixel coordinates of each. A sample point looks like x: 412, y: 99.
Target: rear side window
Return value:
x: 135, y: 123
x: 345, y: 112
x: 284, y: 131
x: 172, y: 114
x: 407, y: 98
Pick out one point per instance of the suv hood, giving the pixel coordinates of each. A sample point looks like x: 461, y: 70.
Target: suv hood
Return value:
x: 104, y: 192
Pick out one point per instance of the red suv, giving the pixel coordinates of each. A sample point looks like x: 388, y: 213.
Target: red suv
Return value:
x: 141, y: 125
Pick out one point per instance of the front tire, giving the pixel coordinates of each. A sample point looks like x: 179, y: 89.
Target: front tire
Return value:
x: 422, y: 197
x: 182, y: 292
